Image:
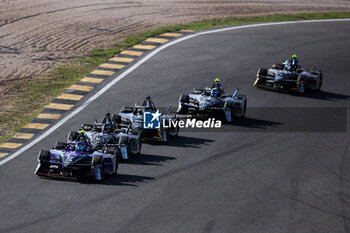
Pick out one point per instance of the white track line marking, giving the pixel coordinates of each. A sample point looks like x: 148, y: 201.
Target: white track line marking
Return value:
x: 136, y: 65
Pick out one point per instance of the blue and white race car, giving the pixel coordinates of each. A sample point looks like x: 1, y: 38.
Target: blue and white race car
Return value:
x: 212, y: 101
x: 128, y: 139
x: 289, y: 76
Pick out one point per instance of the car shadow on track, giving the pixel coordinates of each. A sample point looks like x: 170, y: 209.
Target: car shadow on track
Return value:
x: 252, y: 123
x: 145, y: 159
x: 183, y: 141
x: 118, y: 180
x: 125, y: 180
x: 320, y: 95
x: 324, y: 95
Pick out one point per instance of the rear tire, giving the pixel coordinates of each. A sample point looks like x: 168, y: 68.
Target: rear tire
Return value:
x: 87, y: 127
x: 117, y: 119
x: 98, y: 161
x: 59, y: 146
x: 126, y: 109
x: 72, y: 136
x: 262, y: 73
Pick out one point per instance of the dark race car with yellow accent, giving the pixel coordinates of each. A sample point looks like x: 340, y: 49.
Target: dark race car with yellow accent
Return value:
x: 289, y: 76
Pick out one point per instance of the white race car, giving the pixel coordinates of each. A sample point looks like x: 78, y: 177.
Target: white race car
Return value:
x: 212, y: 101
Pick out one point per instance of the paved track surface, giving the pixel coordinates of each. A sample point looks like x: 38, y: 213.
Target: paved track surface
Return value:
x: 235, y: 181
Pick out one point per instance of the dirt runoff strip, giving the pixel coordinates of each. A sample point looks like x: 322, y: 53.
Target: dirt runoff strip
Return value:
x: 40, y: 34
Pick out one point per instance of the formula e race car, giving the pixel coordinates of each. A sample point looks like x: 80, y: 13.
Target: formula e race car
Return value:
x: 213, y: 102
x: 136, y: 115
x: 77, y: 159
x: 285, y: 76
x: 128, y: 139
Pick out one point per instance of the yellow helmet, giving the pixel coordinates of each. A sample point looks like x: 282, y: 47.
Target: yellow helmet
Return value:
x: 217, y: 80
x: 82, y: 131
x: 294, y: 56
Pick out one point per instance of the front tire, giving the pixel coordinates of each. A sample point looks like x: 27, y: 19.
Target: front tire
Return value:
x: 59, y: 146
x: 260, y: 77
x: 72, y: 136
x: 43, y: 167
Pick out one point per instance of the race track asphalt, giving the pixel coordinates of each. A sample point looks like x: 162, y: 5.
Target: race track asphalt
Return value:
x: 265, y: 174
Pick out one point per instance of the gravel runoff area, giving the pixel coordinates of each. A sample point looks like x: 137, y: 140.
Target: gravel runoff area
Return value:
x: 38, y: 34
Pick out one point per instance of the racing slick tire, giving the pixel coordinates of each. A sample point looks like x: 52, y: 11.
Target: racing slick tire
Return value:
x: 97, y: 162
x: 59, y: 146
x: 183, y: 109
x: 87, y: 127
x: 262, y: 72
x: 72, y: 136
x: 117, y: 119
x: 43, y: 167
x: 126, y: 109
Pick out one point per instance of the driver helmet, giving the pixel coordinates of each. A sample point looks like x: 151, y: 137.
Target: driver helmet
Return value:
x: 80, y: 146
x: 82, y: 131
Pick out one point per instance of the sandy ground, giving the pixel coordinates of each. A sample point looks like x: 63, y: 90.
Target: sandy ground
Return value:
x: 37, y: 34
